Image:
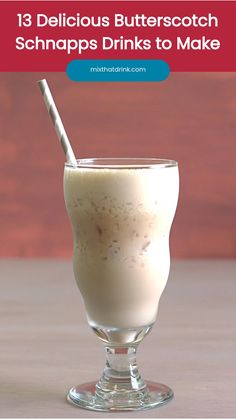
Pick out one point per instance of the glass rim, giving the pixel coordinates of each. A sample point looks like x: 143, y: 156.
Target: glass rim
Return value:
x: 122, y: 163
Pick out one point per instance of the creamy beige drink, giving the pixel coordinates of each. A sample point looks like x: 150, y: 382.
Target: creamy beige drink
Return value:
x: 121, y: 211
x: 121, y: 219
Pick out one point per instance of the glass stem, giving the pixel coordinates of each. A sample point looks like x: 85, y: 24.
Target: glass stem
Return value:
x: 121, y: 371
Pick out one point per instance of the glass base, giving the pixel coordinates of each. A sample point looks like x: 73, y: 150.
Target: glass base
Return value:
x: 153, y: 395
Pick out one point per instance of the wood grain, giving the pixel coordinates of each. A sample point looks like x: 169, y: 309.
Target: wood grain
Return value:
x: 190, y: 117
x: 47, y: 346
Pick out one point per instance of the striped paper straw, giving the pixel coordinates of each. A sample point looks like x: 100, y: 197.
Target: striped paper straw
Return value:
x: 57, y: 122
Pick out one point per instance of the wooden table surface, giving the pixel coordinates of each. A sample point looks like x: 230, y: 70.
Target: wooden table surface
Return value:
x: 46, y: 345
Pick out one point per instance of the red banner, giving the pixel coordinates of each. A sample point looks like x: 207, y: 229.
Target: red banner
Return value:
x: 46, y: 36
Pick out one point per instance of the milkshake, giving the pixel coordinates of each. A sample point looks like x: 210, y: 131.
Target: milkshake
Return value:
x: 121, y: 211
x: 121, y: 215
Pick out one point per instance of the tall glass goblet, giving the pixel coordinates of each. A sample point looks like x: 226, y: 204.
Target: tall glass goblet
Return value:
x: 121, y: 211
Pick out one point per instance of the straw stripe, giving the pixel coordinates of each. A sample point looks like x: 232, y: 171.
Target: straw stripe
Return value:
x: 57, y: 122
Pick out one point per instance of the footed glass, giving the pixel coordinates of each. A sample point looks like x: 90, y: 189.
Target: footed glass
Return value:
x: 121, y: 211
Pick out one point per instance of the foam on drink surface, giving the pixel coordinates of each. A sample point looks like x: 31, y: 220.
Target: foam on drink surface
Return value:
x: 121, y: 219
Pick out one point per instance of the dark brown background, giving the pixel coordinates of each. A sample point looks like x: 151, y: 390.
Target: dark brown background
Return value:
x: 190, y: 117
